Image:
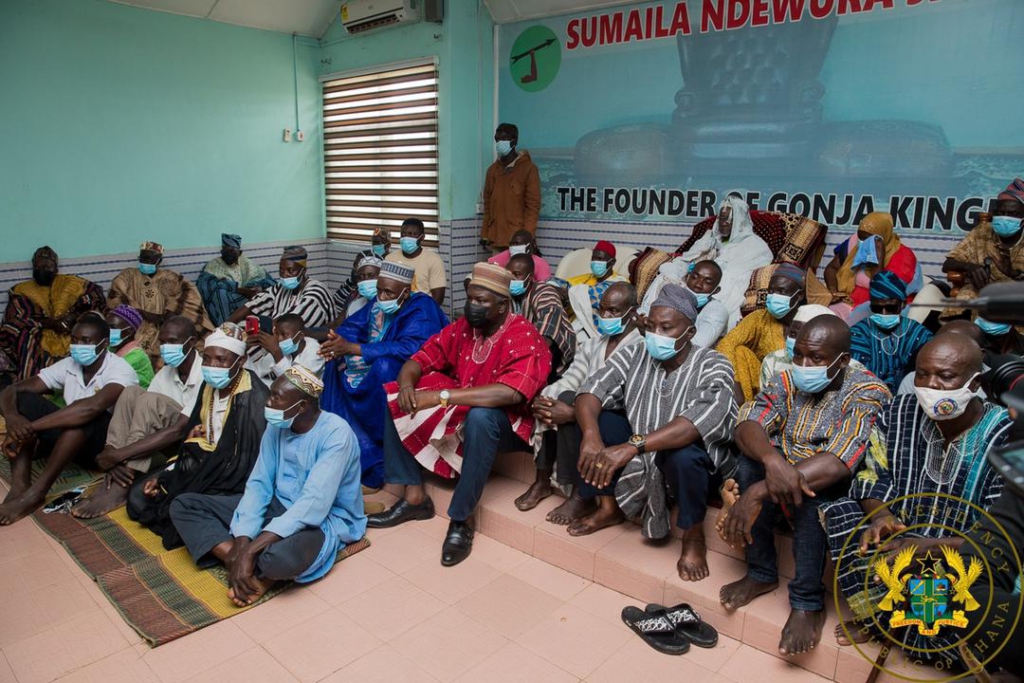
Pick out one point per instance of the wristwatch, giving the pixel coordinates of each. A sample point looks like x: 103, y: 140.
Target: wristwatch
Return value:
x: 639, y: 442
x: 445, y: 396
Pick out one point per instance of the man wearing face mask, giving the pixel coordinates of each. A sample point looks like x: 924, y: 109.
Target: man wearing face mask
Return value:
x: 511, y: 191
x: 585, y: 291
x: 156, y: 293
x: 224, y: 430
x: 302, y: 504
x: 935, y: 440
x: 999, y: 338
x: 887, y: 343
x: 148, y: 422
x: 763, y: 331
x: 704, y: 282
x: 430, y: 276
x: 800, y: 440
x: 287, y: 345
x: 91, y: 381
x: 367, y: 351
x: 461, y: 399
x: 36, y: 327
x: 556, y: 440
x: 523, y: 242
x: 541, y: 304
x: 679, y: 418
x: 295, y: 292
x: 230, y: 280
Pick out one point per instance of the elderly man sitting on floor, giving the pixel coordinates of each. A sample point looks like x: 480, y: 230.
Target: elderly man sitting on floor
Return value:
x: 301, y: 505
x: 674, y: 435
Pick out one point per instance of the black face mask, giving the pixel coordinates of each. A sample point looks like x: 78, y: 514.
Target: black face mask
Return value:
x: 43, y: 278
x: 476, y: 315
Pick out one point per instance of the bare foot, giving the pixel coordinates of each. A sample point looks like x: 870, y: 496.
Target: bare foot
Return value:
x: 22, y: 506
x: 861, y: 633
x: 739, y: 593
x: 802, y: 631
x: 730, y: 494
x: 263, y: 587
x: 538, y: 491
x: 571, y: 510
x: 101, y: 501
x: 607, y: 514
x: 693, y: 559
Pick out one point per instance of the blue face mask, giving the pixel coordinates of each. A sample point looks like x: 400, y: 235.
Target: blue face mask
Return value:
x: 288, y: 346
x: 867, y: 253
x: 702, y: 299
x: 885, y: 321
x: 115, y: 337
x: 812, y: 379
x: 502, y: 147
x: 367, y: 288
x: 378, y: 250
x: 790, y: 346
x: 409, y: 245
x: 84, y: 354
x: 147, y: 268
x: 218, y: 378
x: 173, y: 354
x: 779, y: 305
x: 517, y: 287
x: 609, y: 327
x: 276, y: 418
x: 599, y: 268
x: 661, y: 347
x: 390, y: 306
x: 992, y: 329
x: 290, y: 283
x: 1006, y: 226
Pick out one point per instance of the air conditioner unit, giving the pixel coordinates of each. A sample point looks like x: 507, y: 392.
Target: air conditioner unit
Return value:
x: 360, y: 16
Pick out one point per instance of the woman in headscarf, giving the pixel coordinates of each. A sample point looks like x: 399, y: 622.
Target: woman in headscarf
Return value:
x: 733, y: 245
x: 875, y: 248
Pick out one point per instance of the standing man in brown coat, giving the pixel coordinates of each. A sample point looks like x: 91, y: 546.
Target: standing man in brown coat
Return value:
x: 511, y: 191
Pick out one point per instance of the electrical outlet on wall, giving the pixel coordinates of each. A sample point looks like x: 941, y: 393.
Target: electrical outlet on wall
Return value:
x: 300, y: 136
x: 287, y: 135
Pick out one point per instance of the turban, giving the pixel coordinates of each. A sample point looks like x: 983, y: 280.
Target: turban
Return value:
x: 791, y: 272
x: 46, y: 253
x: 152, y: 246
x: 129, y: 315
x: 228, y: 336
x: 887, y: 285
x: 678, y: 298
x: 492, y: 277
x: 304, y: 380
x: 369, y: 260
x: 397, y: 272
x: 1014, y: 191
x: 229, y: 240
x: 809, y: 312
x: 295, y: 253
x: 605, y: 246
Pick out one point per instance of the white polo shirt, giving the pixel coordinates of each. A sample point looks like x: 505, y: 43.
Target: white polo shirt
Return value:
x: 66, y: 375
x: 168, y: 383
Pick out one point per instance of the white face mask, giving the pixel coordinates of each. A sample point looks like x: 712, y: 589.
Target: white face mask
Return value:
x: 946, y: 404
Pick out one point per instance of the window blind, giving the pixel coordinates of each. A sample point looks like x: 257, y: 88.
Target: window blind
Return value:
x: 380, y: 151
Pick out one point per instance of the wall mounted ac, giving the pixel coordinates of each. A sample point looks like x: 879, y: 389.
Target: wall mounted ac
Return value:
x: 360, y: 16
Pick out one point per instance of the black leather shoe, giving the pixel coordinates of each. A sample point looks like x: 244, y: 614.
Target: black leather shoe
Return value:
x: 457, y: 544
x: 400, y: 513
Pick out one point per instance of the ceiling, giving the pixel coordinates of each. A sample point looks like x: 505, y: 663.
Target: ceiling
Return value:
x: 506, y: 11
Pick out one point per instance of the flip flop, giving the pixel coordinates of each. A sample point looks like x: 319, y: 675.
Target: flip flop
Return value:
x: 687, y: 623
x: 656, y: 631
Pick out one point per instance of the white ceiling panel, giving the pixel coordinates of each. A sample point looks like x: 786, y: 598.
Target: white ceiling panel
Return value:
x: 191, y: 8
x: 506, y: 11
x: 304, y: 17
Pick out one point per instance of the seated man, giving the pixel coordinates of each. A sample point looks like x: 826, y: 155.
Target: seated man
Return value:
x: 91, y: 380
x: 230, y: 280
x: 302, y: 503
x: 585, y: 291
x: 704, y: 280
x: 887, y: 343
x: 558, y: 446
x: 124, y: 322
x: 224, y: 431
x: 781, y: 360
x: 800, y: 440
x: 541, y: 304
x: 287, y: 345
x: 148, y: 422
x: 296, y: 293
x: 430, y: 277
x: 960, y: 326
x: 523, y: 242
x: 157, y: 294
x: 460, y: 400
x: 679, y: 417
x: 763, y: 331
x: 999, y: 338
x: 367, y: 352
x: 356, y: 292
x: 935, y: 441
x: 36, y: 328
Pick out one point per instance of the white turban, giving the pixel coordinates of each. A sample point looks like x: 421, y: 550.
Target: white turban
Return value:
x: 809, y: 312
x: 228, y: 336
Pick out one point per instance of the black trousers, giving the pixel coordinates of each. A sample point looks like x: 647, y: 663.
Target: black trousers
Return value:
x: 34, y: 407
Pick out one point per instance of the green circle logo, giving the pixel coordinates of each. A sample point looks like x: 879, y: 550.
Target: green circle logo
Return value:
x: 535, y: 58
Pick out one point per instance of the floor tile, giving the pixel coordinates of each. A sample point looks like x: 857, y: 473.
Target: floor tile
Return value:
x: 498, y: 555
x: 322, y: 645
x: 351, y: 577
x: 636, y: 567
x: 509, y: 605
x: 63, y: 601
x: 288, y: 609
x: 126, y: 666
x: 185, y: 658
x: 577, y: 641
x: 42, y: 570
x: 749, y: 664
x: 391, y: 608
x: 383, y: 665
x: 514, y: 664
x: 404, y: 548
x: 252, y: 666
x: 602, y: 602
x: 638, y: 661
x: 560, y: 583
x: 6, y: 675
x: 22, y: 617
x: 448, y: 644
x: 451, y: 584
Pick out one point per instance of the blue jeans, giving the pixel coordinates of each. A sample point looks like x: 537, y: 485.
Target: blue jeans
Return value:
x: 486, y: 432
x: 810, y: 543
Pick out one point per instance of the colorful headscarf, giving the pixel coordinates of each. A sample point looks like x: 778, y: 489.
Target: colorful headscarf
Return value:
x: 152, y: 246
x: 129, y: 315
x: 229, y: 240
x: 877, y: 223
x: 791, y: 272
x: 383, y: 234
x: 1014, y: 191
x: 295, y: 253
x: 887, y: 285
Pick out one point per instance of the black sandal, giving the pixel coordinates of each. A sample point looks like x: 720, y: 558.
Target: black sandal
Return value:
x: 687, y: 623
x: 655, y: 630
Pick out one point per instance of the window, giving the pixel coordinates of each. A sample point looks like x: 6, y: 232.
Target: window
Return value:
x: 380, y: 151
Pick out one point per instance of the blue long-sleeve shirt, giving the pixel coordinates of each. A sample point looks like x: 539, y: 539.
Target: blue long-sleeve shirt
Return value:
x: 316, y: 476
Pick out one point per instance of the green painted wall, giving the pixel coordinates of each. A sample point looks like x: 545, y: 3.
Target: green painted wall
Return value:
x: 124, y: 124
